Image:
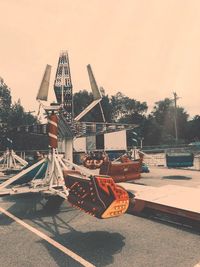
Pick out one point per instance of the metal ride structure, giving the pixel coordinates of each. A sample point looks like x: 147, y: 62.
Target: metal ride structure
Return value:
x: 11, y: 162
x: 141, y: 198
x: 125, y: 170
x: 96, y: 195
x: 63, y: 86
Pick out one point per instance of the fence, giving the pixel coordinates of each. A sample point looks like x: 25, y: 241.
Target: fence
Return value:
x: 160, y: 160
x: 155, y: 159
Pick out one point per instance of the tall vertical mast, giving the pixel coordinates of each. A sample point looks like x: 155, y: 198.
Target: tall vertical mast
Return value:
x: 175, y: 115
x: 63, y: 86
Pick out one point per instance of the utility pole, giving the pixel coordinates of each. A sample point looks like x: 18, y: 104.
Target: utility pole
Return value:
x: 175, y: 116
x: 141, y: 142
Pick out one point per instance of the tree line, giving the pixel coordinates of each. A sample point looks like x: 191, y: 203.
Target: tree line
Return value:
x: 155, y: 128
x: 13, y: 115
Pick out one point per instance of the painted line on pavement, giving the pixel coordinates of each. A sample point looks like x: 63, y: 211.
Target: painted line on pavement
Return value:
x: 48, y: 239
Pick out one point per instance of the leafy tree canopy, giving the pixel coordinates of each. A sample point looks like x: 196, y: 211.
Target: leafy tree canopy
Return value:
x: 127, y: 109
x: 5, y: 102
x: 11, y: 115
x: 156, y: 128
x: 164, y: 115
x: 18, y: 116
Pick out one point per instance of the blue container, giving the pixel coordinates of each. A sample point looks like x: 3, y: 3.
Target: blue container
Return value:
x: 177, y: 160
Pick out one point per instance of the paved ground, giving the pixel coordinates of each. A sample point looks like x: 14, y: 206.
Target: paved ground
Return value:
x: 160, y: 176
x: 123, y: 241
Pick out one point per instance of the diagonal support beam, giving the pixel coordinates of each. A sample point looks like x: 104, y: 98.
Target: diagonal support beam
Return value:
x: 19, y: 175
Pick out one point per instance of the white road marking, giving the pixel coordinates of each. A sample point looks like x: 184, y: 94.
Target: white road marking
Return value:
x: 48, y: 239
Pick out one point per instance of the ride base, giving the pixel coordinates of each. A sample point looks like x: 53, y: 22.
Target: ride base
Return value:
x: 170, y: 199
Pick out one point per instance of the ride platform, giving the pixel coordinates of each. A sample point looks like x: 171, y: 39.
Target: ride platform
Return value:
x: 169, y: 199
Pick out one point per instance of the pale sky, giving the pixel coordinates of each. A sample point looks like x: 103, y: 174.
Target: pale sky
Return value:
x: 146, y: 49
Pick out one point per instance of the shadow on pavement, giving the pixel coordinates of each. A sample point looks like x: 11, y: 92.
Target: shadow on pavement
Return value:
x: 97, y: 247
x: 177, y: 177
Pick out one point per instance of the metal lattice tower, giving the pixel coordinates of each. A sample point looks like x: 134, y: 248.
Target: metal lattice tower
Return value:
x: 68, y: 125
x: 63, y: 86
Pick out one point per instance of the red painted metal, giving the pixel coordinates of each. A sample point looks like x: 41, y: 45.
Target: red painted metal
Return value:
x: 53, y: 131
x: 126, y: 170
x: 98, y: 196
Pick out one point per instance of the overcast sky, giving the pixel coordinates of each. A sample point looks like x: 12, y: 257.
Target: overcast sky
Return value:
x: 146, y: 49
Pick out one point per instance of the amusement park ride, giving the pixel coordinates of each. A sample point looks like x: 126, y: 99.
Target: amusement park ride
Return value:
x: 97, y: 195
x: 10, y: 161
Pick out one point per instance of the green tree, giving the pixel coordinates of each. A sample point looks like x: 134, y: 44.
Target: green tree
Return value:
x: 127, y: 110
x: 151, y: 131
x: 5, y: 104
x: 193, y: 129
x: 82, y: 99
x: 18, y: 117
x: 11, y: 116
x: 164, y: 115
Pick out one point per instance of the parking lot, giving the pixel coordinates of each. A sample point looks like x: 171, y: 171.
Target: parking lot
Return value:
x: 82, y: 240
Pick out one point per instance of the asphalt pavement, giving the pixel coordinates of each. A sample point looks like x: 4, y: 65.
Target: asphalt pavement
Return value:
x: 123, y: 241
